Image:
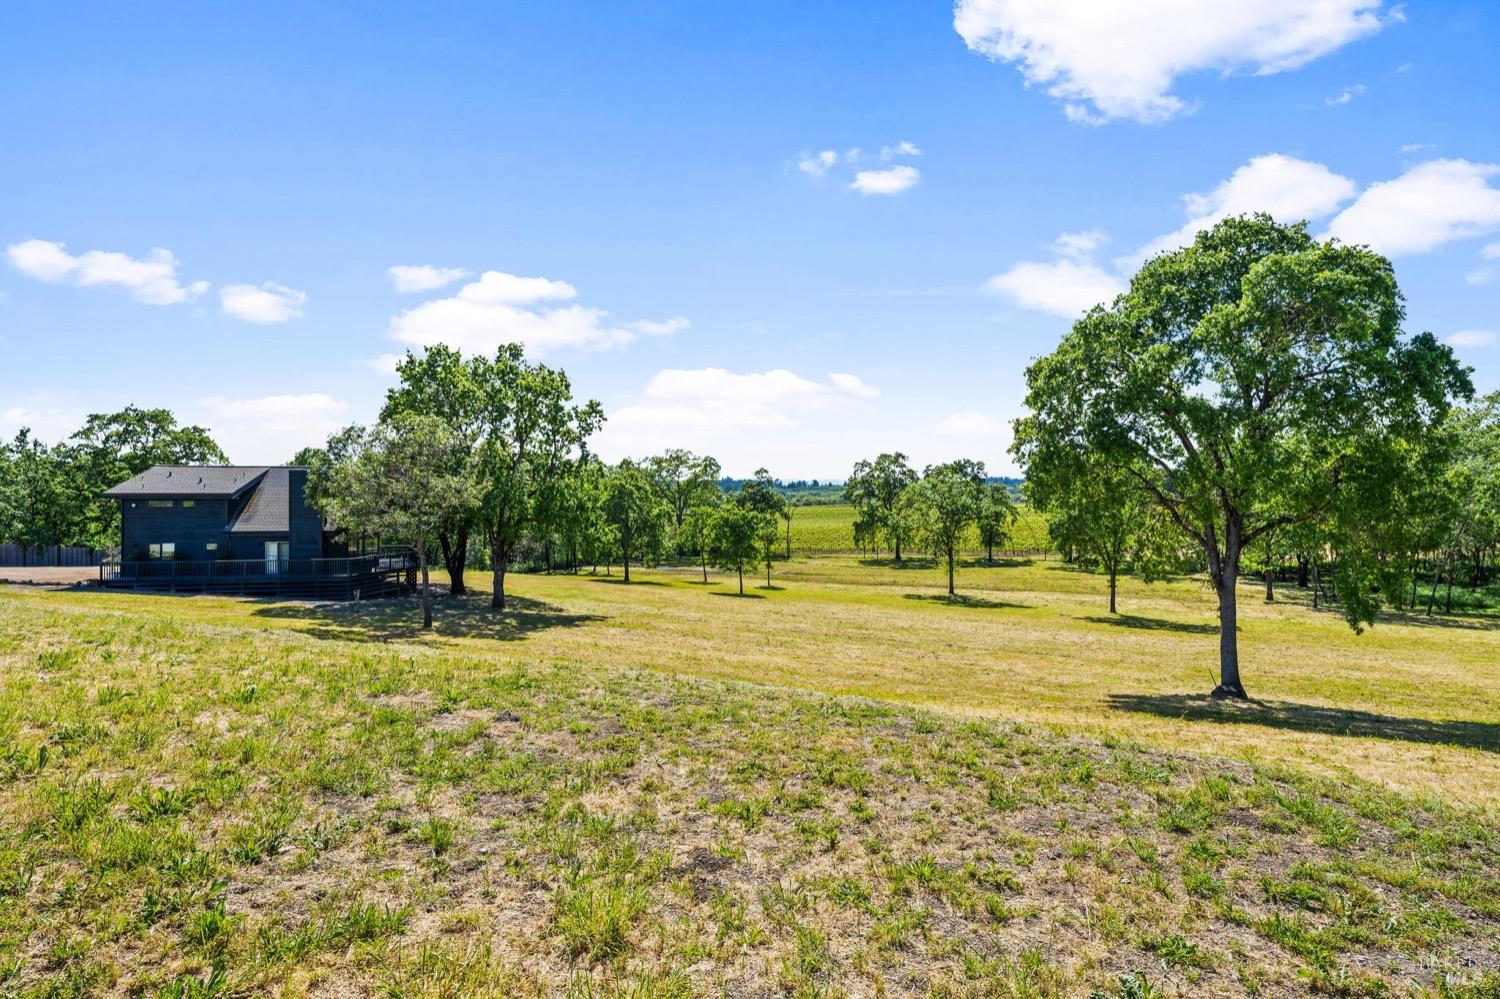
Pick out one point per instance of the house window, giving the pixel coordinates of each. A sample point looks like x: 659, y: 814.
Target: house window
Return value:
x: 212, y: 546
x: 167, y: 549
x: 159, y: 503
x: 187, y: 503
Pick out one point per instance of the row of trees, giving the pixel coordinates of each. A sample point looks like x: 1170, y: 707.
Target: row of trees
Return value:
x: 49, y: 494
x: 495, y: 449
x: 935, y: 511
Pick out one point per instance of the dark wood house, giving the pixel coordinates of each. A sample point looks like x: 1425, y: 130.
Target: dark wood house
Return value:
x: 239, y: 528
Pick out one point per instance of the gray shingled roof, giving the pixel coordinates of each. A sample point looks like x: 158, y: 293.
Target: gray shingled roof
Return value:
x: 268, y: 508
x: 207, y: 481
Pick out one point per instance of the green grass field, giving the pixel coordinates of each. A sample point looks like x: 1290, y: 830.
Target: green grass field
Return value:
x: 1009, y: 794
x: 829, y: 530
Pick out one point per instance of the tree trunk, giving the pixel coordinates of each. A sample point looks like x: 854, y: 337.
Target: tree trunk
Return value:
x: 625, y: 561
x: 989, y: 554
x: 768, y: 570
x: 742, y: 580
x: 1225, y: 581
x: 455, y: 553
x: 789, y: 536
x: 1270, y: 592
x: 950, y: 572
x: 1113, y: 576
x: 497, y: 599
x: 897, y: 541
x: 426, y: 587
x: 1437, y: 578
x: 1301, y: 572
x: 1317, y: 586
x: 705, y: 565
x: 1448, y: 597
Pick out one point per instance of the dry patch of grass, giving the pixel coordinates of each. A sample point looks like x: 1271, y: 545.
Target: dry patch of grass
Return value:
x: 190, y: 808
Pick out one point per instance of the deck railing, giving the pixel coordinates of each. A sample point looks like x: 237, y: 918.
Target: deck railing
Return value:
x: 190, y: 572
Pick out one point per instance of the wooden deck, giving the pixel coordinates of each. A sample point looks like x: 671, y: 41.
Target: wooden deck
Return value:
x: 389, y: 572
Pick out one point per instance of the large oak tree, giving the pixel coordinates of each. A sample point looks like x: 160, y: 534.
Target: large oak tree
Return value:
x: 1256, y: 380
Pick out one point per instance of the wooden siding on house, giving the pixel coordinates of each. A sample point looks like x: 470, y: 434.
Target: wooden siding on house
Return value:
x: 191, y: 529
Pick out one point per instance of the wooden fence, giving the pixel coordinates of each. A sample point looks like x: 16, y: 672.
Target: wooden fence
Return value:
x: 49, y: 555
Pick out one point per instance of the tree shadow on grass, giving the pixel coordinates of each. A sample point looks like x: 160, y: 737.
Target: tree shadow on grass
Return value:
x: 622, y: 581
x: 738, y: 596
x: 1312, y: 718
x: 909, y: 562
x: 397, y: 619
x: 1154, y: 624
x: 964, y: 600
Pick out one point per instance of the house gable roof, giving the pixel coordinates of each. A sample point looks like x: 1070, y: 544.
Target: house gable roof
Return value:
x: 268, y: 510
x: 189, y: 481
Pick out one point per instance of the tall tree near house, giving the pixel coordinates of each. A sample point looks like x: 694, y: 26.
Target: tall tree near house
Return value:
x: 737, y: 531
x: 401, y: 479
x: 531, y: 435
x: 683, y: 480
x: 875, y: 488
x: 948, y: 498
x: 1096, y: 510
x: 638, y: 515
x: 442, y: 384
x: 997, y: 512
x: 1248, y: 383
x: 111, y: 447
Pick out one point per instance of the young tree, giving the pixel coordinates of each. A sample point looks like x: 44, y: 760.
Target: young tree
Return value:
x: 875, y: 488
x: 683, y: 480
x: 1250, y: 382
x: 401, y: 479
x: 997, y: 512
x: 1096, y: 510
x: 531, y: 435
x: 697, y: 532
x: 737, y: 531
x: 633, y: 509
x: 440, y: 383
x: 948, y: 498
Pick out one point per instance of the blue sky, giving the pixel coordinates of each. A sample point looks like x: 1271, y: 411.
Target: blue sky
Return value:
x: 789, y: 234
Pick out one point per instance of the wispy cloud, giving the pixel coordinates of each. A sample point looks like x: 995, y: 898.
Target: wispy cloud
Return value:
x: 151, y: 279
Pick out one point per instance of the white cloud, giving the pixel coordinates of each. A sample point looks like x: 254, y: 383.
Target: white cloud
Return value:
x: 264, y: 304
x: 902, y: 148
x: 1078, y: 245
x: 272, y: 428
x: 715, y: 403
x: 968, y: 425
x: 1431, y: 204
x: 665, y: 327
x: 1106, y: 59
x: 817, y: 164
x: 1345, y: 96
x: 502, y: 308
x: 892, y: 180
x: 1288, y: 188
x: 845, y: 382
x: 1486, y: 273
x: 151, y: 279
x: 407, y: 279
x: 46, y: 423
x: 1066, y: 288
x: 383, y: 364
x: 1413, y: 147
x: 1471, y: 338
